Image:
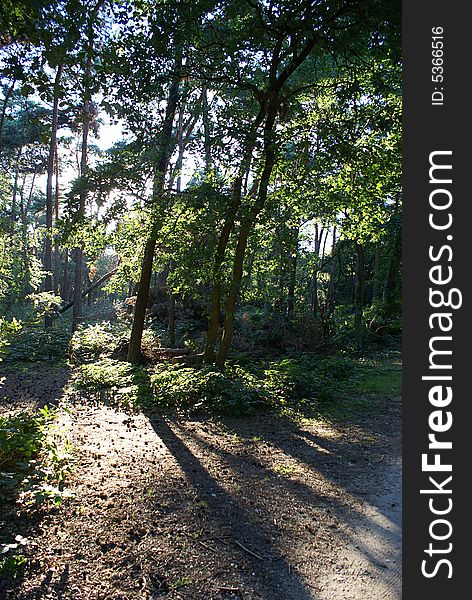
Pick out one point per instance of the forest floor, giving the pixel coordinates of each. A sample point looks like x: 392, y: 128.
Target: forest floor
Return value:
x: 177, y: 507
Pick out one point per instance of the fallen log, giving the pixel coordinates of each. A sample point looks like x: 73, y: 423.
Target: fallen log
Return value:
x: 174, y: 351
x: 193, y: 360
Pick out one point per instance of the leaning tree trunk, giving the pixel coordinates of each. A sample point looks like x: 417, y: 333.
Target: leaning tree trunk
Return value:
x: 359, y: 297
x: 212, y: 333
x: 245, y: 230
x: 89, y: 290
x: 49, y: 194
x: 165, y: 152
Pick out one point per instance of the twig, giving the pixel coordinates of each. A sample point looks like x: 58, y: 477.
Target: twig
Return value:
x: 206, y: 546
x: 224, y: 588
x: 248, y: 551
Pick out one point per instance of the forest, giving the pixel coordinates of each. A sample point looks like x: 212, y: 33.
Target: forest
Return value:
x: 200, y: 297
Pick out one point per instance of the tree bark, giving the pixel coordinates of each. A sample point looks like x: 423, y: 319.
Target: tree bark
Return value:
x: 15, y: 192
x: 392, y: 280
x: 246, y: 227
x: 48, y: 287
x: 359, y: 297
x: 162, y: 165
x: 4, y: 109
x: 77, y: 309
x: 56, y: 218
x: 65, y: 278
x: 293, y: 274
x: 171, y: 323
x: 212, y: 333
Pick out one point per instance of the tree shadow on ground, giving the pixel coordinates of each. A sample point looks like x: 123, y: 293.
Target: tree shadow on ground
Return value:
x: 268, y: 569
x: 317, y: 488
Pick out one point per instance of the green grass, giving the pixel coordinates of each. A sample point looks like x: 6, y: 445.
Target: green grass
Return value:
x: 381, y: 378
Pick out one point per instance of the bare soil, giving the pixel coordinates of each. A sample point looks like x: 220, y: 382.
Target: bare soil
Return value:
x: 176, y: 507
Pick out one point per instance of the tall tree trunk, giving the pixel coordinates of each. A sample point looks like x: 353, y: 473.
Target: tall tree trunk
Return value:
x: 49, y: 195
x: 332, y: 273
x: 56, y: 218
x: 293, y: 274
x: 246, y: 227
x: 77, y: 308
x: 4, y: 109
x: 65, y: 288
x: 359, y: 297
x: 15, y: 192
x: 314, y: 277
x: 164, y: 154
x: 392, y: 280
x: 171, y: 322
x: 25, y: 208
x: 206, y: 132
x: 212, y: 333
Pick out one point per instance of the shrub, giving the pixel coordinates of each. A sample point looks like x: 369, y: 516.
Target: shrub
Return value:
x: 123, y: 383
x: 89, y: 342
x: 7, y: 331
x: 235, y: 392
x: 34, y: 456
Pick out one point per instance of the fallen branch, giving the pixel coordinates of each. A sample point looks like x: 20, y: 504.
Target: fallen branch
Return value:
x: 88, y: 290
x: 248, y: 551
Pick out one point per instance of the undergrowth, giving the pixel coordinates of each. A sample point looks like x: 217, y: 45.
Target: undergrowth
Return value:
x: 35, y: 457
x: 303, y: 385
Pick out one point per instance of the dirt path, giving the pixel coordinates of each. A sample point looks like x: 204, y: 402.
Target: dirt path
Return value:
x: 253, y: 508
x: 369, y: 566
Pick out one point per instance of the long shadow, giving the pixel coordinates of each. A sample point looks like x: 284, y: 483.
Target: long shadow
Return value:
x: 314, y: 461
x: 274, y: 576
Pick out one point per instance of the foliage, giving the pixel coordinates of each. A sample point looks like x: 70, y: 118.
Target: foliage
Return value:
x: 35, y: 344
x: 90, y: 341
x: 235, y: 392
x: 34, y: 456
x: 7, y: 331
x: 114, y: 380
x: 12, y: 565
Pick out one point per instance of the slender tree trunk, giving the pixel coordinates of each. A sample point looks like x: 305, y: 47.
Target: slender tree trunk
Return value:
x: 206, y: 132
x: 15, y: 192
x: 49, y: 194
x: 246, y: 227
x: 4, y: 109
x: 25, y: 208
x: 165, y: 152
x: 171, y: 323
x: 56, y: 218
x: 359, y: 297
x: 392, y: 280
x: 77, y: 308
x: 314, y: 277
x: 78, y: 278
x: 293, y: 274
x: 212, y: 333
x: 65, y: 278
